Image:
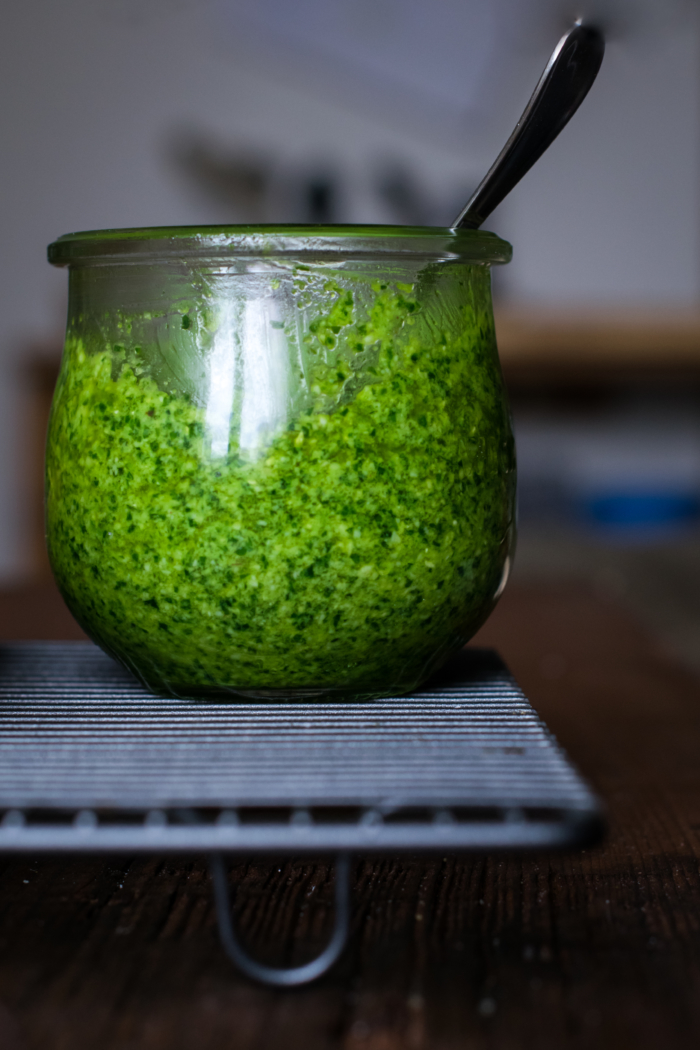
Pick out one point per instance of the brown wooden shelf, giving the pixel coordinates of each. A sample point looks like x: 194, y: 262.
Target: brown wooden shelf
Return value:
x: 548, y: 346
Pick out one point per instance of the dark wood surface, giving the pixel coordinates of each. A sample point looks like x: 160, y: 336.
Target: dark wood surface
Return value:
x: 595, y: 949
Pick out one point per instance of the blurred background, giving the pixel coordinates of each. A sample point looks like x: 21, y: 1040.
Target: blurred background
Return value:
x: 158, y: 112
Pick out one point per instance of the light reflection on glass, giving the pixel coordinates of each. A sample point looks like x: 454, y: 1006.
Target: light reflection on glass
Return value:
x: 265, y: 387
x: 222, y: 381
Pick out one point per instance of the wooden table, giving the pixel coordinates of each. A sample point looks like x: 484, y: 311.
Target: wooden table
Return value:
x: 596, y: 949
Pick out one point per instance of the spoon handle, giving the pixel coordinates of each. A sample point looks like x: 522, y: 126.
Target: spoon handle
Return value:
x: 566, y: 81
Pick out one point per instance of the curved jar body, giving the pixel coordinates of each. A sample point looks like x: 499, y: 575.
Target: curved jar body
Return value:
x: 280, y: 461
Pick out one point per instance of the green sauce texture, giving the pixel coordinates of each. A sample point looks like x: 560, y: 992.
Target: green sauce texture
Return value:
x: 350, y: 555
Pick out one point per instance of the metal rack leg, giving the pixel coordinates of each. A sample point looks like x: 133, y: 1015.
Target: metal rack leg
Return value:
x: 282, y: 977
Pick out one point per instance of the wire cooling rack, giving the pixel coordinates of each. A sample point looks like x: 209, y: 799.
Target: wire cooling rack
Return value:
x: 92, y: 762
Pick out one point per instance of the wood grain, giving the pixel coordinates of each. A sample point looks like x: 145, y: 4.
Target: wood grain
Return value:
x: 634, y: 334
x: 595, y: 949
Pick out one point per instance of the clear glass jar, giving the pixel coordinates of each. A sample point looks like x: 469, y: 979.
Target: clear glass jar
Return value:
x: 280, y: 462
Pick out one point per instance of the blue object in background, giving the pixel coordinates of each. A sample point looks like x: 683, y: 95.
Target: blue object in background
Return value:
x: 641, y: 510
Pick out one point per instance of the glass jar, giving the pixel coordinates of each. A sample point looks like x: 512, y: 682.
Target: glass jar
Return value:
x: 280, y: 462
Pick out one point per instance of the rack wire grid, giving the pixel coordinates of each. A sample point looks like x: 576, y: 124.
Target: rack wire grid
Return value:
x: 92, y: 762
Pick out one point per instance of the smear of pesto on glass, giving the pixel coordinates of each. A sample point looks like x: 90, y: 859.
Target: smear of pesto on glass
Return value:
x: 354, y: 549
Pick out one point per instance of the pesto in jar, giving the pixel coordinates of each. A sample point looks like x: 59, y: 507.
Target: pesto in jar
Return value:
x: 365, y: 539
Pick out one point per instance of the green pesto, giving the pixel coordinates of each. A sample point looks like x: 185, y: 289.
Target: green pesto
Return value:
x: 364, y: 544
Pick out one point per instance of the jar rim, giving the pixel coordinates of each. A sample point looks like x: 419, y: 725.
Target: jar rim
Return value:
x: 315, y: 242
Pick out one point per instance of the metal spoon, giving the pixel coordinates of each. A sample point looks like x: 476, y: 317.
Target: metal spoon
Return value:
x: 566, y: 81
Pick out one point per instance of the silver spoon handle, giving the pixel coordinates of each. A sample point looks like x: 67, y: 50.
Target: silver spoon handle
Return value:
x: 566, y: 81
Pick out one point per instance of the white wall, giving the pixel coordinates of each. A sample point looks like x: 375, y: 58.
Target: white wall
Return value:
x: 91, y: 90
x: 612, y: 212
